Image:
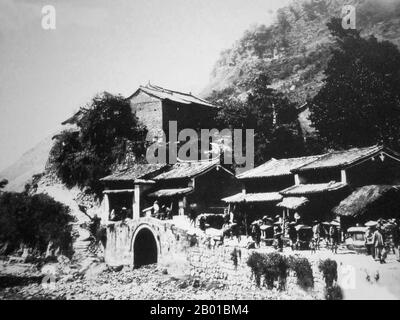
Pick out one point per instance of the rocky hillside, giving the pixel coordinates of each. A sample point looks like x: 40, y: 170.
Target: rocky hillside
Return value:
x: 30, y: 163
x: 295, y: 49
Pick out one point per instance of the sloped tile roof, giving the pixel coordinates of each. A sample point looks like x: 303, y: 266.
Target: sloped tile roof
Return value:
x: 254, y: 197
x: 176, y: 96
x: 293, y: 202
x: 274, y: 168
x: 357, y: 203
x: 304, y: 189
x: 190, y: 169
x: 333, y: 159
x: 344, y: 158
x: 170, y: 192
x: 138, y: 171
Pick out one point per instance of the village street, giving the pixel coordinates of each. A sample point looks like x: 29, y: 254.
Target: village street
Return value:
x: 372, y: 280
x: 23, y: 281
x: 147, y: 283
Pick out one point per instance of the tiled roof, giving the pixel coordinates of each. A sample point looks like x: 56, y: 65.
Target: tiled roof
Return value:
x: 333, y: 159
x: 358, y: 202
x: 77, y: 116
x: 176, y: 96
x: 136, y: 172
x: 293, y: 202
x: 170, y: 192
x: 190, y: 169
x: 274, y: 167
x: 254, y: 197
x: 341, y: 158
x: 140, y: 173
x: 304, y: 189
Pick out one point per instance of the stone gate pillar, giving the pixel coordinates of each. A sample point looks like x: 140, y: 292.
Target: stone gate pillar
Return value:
x: 136, y: 202
x: 106, y: 208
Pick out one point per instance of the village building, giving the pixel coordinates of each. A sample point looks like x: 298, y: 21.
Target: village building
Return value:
x: 261, y: 188
x: 323, y: 186
x: 184, y: 186
x: 155, y: 107
x: 125, y: 189
x: 369, y: 203
x: 337, y: 174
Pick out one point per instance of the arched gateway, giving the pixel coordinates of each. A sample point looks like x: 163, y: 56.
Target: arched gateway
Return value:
x: 145, y: 246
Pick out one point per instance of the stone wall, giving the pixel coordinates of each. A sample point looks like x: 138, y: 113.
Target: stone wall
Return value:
x: 149, y: 112
x: 173, y: 242
x: 216, y: 263
x: 182, y: 253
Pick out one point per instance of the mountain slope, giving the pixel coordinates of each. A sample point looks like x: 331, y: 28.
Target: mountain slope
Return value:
x: 31, y: 162
x: 295, y: 49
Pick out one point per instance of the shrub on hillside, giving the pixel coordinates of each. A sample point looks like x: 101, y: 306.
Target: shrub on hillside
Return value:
x: 276, y: 268
x: 328, y: 268
x: 108, y: 133
x: 303, y: 270
x: 98, y: 234
x: 34, y: 221
x: 272, y: 266
x: 235, y: 257
x: 3, y: 183
x: 334, y: 293
x: 256, y: 262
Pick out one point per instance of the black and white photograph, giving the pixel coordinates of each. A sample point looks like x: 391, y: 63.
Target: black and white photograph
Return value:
x: 212, y: 152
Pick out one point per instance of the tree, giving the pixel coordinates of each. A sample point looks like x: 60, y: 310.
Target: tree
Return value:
x: 34, y: 221
x: 359, y: 104
x: 108, y: 133
x: 3, y: 183
x: 272, y: 116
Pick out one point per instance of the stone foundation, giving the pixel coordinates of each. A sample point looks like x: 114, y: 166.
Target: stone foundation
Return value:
x: 182, y: 253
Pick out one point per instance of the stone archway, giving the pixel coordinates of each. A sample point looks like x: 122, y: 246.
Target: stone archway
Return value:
x: 145, y: 247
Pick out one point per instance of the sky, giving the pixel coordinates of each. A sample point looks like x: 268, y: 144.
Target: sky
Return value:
x: 103, y: 45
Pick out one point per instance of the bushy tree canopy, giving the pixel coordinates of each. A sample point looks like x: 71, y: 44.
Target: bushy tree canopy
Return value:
x: 108, y: 132
x: 34, y: 221
x: 272, y: 116
x: 359, y: 103
x: 3, y: 183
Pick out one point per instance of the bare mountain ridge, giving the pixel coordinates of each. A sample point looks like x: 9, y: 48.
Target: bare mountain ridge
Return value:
x: 295, y: 49
x: 30, y: 163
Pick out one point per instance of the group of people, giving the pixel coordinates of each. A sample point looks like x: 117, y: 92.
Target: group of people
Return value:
x: 328, y: 232
x: 299, y: 236
x: 260, y: 228
x: 233, y: 224
x: 377, y: 242
x: 163, y: 213
x: 120, y: 214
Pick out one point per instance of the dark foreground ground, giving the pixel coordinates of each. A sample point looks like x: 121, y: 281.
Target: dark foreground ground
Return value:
x: 365, y: 279
x: 23, y: 281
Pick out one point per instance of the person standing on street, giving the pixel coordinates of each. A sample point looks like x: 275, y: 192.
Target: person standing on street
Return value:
x: 396, y: 239
x: 334, y: 235
x: 256, y: 234
x: 316, y: 234
x: 156, y: 208
x: 369, y: 242
x: 378, y: 245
